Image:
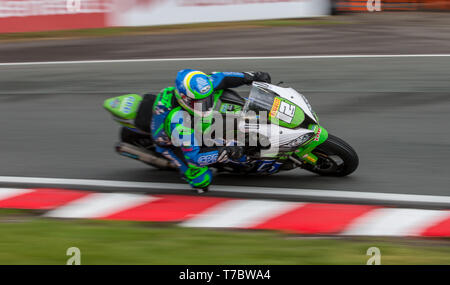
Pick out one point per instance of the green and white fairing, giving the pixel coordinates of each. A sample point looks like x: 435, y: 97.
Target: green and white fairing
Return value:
x: 285, y: 118
x: 282, y: 116
x: 124, y: 109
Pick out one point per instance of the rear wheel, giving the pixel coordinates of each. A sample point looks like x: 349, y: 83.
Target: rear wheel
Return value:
x: 137, y: 139
x: 335, y: 158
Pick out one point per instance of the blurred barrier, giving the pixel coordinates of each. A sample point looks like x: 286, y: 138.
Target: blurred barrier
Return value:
x: 162, y: 12
x: 46, y: 15
x: 391, y: 5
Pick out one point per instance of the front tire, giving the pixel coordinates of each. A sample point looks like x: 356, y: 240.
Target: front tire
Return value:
x: 335, y: 158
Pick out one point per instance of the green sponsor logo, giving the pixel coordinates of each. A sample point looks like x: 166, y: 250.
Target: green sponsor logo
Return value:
x: 227, y: 108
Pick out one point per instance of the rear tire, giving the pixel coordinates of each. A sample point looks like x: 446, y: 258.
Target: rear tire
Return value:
x: 336, y: 158
x: 134, y: 138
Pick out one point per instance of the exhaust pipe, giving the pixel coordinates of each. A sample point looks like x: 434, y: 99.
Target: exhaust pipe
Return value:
x: 145, y: 156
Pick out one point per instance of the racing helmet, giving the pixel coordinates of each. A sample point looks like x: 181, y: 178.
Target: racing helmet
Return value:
x: 194, y: 92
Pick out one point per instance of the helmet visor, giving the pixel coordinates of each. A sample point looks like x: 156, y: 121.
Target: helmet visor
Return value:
x: 200, y: 106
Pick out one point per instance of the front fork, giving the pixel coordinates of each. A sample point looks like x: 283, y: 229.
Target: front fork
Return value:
x: 304, y: 153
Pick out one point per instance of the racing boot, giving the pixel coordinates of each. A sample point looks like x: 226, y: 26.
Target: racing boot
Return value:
x: 199, y: 178
x: 202, y: 190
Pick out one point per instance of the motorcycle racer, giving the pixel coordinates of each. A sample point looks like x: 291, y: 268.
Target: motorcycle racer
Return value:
x: 175, y: 108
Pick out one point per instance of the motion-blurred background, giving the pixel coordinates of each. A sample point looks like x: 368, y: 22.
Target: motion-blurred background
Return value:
x: 45, y: 15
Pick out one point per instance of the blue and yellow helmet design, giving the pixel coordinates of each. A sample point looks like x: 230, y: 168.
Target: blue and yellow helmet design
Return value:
x: 194, y: 92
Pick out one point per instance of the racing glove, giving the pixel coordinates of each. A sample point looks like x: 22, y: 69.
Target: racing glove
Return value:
x: 230, y: 152
x: 261, y: 76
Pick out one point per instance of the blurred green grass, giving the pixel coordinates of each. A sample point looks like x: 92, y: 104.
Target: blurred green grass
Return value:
x: 120, y: 31
x: 27, y: 239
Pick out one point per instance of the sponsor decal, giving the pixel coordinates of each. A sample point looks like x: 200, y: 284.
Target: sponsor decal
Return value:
x: 224, y: 108
x: 282, y: 110
x: 237, y: 74
x: 205, y: 89
x: 207, y: 159
x: 202, y: 84
x: 127, y: 105
x: 275, y: 106
x: 229, y: 108
x: 310, y: 158
x: 316, y: 138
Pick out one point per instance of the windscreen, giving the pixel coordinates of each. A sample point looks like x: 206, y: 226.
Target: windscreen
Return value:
x: 259, y: 100
x: 266, y: 106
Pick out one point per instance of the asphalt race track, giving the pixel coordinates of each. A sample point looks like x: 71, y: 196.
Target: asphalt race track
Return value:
x: 393, y: 111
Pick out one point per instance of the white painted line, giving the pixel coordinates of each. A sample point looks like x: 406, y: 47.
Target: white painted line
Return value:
x: 99, y: 205
x: 6, y: 193
x: 240, y: 214
x: 92, y: 182
x: 394, y: 222
x: 288, y: 192
x: 225, y: 58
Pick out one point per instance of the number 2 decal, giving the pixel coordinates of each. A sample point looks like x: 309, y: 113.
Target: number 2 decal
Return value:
x: 286, y: 112
x: 287, y: 109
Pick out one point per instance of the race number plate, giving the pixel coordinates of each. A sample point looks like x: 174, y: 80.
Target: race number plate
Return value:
x: 282, y: 110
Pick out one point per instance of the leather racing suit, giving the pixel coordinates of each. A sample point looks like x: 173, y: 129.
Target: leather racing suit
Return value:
x: 176, y: 138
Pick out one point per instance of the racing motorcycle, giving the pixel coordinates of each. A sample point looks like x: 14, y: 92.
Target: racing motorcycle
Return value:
x: 280, y: 122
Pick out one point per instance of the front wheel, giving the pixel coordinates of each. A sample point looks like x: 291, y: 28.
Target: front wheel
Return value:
x: 335, y: 158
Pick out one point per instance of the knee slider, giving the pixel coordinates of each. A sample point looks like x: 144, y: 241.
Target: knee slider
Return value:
x: 199, y: 176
